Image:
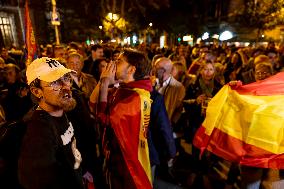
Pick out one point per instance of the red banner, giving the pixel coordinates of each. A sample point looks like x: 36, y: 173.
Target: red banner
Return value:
x: 30, y: 37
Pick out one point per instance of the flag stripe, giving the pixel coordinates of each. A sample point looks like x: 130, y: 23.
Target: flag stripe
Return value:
x: 30, y: 37
x: 126, y: 123
x: 235, y: 150
x: 246, y: 125
x: 273, y: 85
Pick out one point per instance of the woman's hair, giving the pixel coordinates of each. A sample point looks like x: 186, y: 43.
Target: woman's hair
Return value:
x: 204, y: 64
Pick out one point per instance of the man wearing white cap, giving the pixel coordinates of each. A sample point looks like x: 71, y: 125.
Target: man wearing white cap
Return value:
x: 49, y: 157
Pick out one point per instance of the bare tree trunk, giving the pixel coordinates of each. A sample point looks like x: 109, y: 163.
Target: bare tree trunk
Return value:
x: 107, y: 6
x: 114, y: 6
x: 122, y: 11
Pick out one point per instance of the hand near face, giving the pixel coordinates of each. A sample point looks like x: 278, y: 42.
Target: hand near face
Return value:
x: 108, y: 74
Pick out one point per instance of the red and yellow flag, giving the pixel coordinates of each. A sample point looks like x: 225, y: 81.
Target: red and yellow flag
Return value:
x: 30, y: 37
x: 246, y: 124
x: 130, y: 119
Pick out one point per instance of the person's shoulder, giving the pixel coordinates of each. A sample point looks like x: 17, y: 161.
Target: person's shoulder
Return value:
x: 88, y: 59
x: 39, y: 119
x: 38, y: 127
x: 176, y: 83
x: 88, y: 76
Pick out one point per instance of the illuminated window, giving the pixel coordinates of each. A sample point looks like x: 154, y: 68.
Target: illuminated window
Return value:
x: 7, y: 29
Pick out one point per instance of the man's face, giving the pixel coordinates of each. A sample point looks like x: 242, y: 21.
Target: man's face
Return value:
x: 160, y: 70
x: 262, y: 72
x: 99, y: 53
x: 74, y: 63
x: 11, y: 75
x: 59, y: 53
x: 115, y: 56
x: 4, y: 53
x: 122, y: 68
x: 57, y: 95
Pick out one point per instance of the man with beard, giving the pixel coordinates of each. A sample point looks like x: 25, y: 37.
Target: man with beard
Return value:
x: 49, y: 157
x: 125, y: 114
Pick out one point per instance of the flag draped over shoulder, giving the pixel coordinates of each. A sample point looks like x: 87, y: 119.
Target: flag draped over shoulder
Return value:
x: 246, y: 124
x: 130, y: 120
x: 30, y: 37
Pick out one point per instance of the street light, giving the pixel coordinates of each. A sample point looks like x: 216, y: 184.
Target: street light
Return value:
x: 100, y: 27
x: 226, y: 35
x: 112, y: 19
x: 205, y: 36
x: 151, y: 24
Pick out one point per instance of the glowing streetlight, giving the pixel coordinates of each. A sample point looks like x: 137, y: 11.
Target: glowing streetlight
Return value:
x: 226, y: 35
x: 100, y: 27
x: 205, y: 36
x: 151, y: 24
x: 112, y: 17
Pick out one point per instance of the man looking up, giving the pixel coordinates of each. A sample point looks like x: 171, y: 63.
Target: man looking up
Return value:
x: 49, y: 157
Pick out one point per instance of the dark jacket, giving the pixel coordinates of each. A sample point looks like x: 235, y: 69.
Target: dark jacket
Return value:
x: 160, y: 138
x: 193, y: 113
x: 45, y: 162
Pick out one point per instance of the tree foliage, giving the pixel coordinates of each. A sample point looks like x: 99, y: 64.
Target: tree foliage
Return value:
x: 262, y: 14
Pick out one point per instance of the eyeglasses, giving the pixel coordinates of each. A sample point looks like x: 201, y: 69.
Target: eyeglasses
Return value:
x: 58, y: 84
x: 261, y: 73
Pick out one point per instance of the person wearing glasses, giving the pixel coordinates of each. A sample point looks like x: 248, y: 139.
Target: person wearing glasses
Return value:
x: 49, y: 157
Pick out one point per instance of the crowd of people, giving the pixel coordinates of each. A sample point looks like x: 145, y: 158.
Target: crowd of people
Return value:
x: 107, y: 116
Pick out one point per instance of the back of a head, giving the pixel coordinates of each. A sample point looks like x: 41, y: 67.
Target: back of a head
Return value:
x: 139, y: 61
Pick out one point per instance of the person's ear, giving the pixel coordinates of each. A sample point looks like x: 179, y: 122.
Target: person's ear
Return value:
x: 37, y: 92
x: 132, y: 70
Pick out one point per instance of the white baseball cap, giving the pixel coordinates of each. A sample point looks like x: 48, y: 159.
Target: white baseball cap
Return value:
x: 45, y: 69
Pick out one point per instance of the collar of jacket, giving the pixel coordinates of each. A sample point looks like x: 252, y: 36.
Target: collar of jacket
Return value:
x: 142, y: 84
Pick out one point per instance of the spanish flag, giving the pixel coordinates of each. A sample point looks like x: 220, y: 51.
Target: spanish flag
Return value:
x: 246, y: 124
x: 30, y: 37
x: 129, y: 118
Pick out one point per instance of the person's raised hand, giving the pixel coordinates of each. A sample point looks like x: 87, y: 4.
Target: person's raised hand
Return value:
x: 108, y: 74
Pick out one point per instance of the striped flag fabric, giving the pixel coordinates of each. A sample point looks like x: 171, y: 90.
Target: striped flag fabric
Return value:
x: 129, y: 120
x: 29, y: 36
x: 246, y: 124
